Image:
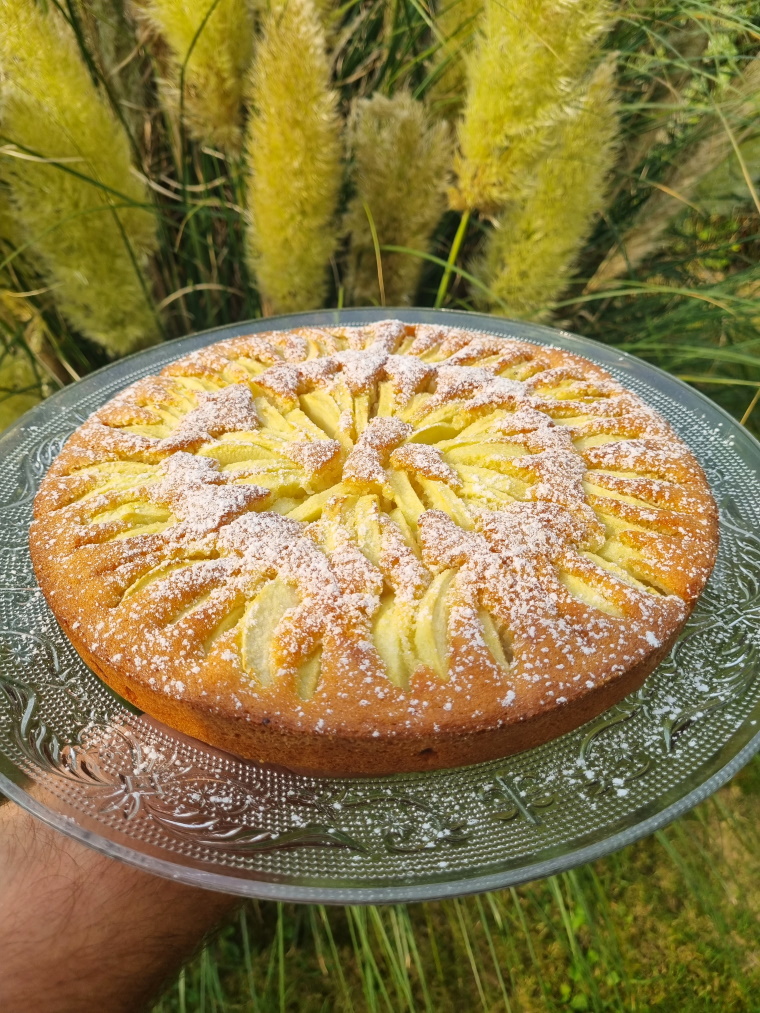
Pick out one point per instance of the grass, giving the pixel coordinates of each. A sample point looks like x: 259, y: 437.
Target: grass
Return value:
x: 678, y: 61
x: 671, y: 923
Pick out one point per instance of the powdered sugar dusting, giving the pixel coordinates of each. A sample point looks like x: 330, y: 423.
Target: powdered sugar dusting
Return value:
x: 201, y: 497
x: 442, y: 559
x: 366, y: 462
x: 420, y: 458
x: 226, y: 411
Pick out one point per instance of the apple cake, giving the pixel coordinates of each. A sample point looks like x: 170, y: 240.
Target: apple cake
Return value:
x: 362, y: 550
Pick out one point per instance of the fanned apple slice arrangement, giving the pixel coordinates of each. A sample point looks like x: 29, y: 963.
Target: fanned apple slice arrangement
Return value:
x: 365, y: 549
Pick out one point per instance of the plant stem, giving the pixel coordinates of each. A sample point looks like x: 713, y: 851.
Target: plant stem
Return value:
x: 451, y: 262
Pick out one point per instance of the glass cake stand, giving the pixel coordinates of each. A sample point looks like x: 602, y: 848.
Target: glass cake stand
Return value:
x: 87, y: 763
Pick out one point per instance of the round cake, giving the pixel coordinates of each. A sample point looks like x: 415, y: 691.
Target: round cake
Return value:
x: 364, y: 550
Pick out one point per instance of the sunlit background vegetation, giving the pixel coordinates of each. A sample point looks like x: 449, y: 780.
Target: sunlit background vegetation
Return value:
x: 170, y: 165
x: 668, y: 925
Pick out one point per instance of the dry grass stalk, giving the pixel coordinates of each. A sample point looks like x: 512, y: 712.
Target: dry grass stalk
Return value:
x: 689, y: 42
x: 109, y: 32
x: 11, y: 233
x: 29, y: 370
x: 646, y: 234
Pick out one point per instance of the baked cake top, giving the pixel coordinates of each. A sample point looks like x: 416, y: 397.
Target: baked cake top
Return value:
x: 387, y: 529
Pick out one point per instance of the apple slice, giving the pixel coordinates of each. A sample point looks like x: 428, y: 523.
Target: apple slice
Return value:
x: 259, y: 623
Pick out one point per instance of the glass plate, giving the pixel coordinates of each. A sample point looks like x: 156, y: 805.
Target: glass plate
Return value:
x: 87, y: 763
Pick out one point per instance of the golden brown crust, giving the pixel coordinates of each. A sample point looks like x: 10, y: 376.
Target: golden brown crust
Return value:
x: 358, y: 756
x: 374, y: 549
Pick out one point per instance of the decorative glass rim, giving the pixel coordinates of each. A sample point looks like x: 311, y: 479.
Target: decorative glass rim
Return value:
x: 725, y: 736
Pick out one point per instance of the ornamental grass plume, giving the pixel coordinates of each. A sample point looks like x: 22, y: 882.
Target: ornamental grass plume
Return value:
x: 531, y: 252
x: 294, y: 150
x: 65, y: 160
x: 401, y: 164
x: 456, y: 23
x: 211, y: 43
x: 522, y: 73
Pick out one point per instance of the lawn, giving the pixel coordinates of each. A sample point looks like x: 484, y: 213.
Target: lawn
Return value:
x: 671, y: 923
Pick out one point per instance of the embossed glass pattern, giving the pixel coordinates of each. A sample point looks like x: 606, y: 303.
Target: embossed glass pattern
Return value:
x: 84, y: 761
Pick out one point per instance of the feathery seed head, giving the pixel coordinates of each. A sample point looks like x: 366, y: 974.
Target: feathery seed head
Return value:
x: 82, y: 215
x: 294, y: 152
x: 456, y: 22
x: 522, y: 75
x: 530, y: 254
x: 402, y: 161
x: 213, y: 39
